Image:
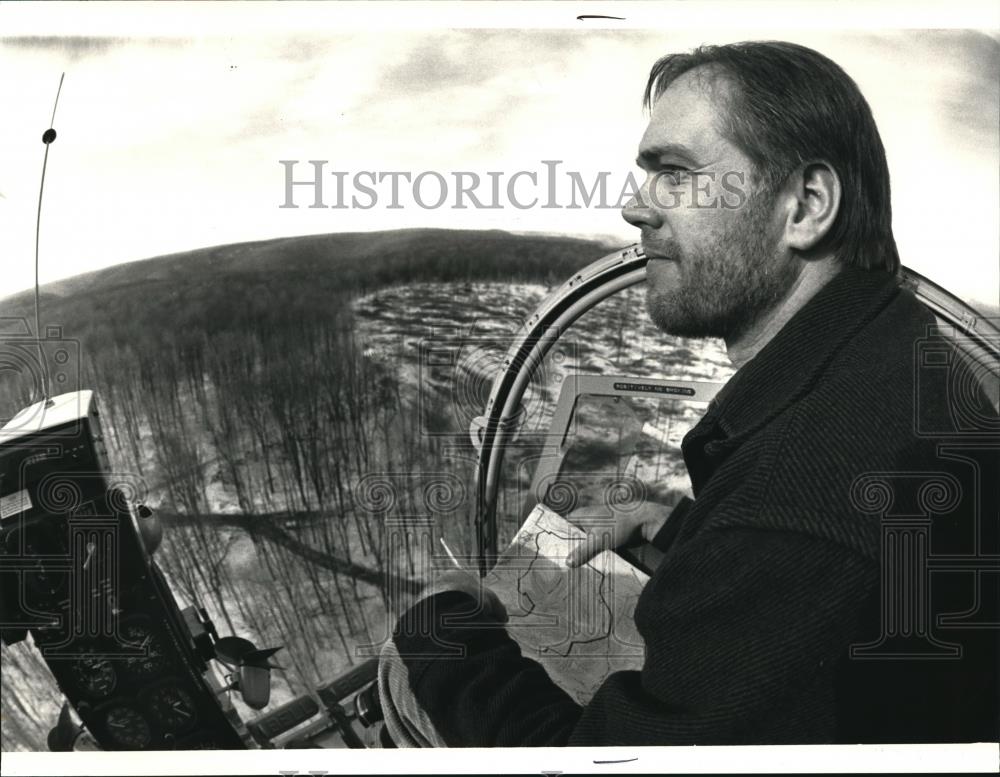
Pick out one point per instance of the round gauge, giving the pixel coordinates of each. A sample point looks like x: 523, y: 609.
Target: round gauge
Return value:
x: 93, y: 676
x: 127, y: 728
x: 173, y: 708
x: 154, y: 658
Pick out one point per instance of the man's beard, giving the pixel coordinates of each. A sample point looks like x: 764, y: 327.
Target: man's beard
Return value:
x: 726, y: 285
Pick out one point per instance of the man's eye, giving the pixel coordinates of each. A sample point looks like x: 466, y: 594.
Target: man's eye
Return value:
x: 672, y: 173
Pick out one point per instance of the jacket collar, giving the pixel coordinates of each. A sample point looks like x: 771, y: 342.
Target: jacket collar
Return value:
x: 790, y: 363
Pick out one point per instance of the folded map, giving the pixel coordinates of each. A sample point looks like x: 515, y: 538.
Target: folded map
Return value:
x: 577, y: 623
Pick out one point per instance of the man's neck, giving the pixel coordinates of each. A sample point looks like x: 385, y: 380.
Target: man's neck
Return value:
x: 814, y: 276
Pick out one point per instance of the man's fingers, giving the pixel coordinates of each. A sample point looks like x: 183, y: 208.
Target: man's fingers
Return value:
x: 588, y: 548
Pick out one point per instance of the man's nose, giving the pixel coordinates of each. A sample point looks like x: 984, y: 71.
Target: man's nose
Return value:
x: 637, y: 213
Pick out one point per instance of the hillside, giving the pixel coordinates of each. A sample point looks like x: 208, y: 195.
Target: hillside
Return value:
x: 215, y: 287
x: 366, y: 259
x: 170, y: 299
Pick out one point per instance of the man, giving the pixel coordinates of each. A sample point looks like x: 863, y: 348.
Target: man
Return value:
x: 764, y: 622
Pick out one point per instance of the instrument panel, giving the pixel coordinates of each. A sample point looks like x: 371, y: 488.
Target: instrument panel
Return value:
x: 95, y: 668
x: 153, y: 718
x: 78, y: 576
x: 132, y: 690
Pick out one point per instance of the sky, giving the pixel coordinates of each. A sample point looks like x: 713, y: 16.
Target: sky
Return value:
x: 170, y: 141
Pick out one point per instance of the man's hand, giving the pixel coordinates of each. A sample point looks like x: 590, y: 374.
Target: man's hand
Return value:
x: 629, y: 524
x: 460, y: 580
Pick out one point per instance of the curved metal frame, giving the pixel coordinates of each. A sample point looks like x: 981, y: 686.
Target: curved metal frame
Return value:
x: 588, y: 287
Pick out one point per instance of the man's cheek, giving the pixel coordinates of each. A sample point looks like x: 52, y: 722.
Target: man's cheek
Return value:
x: 665, y: 196
x: 702, y: 191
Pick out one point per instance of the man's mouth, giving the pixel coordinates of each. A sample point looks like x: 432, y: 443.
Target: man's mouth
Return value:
x: 652, y: 251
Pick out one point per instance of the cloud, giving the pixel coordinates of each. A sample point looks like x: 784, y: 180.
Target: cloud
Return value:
x: 463, y: 60
x: 75, y: 47
x: 166, y: 145
x: 967, y: 63
x: 435, y: 65
x: 947, y: 75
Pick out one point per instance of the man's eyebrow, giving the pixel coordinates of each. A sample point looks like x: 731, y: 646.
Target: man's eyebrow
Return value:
x: 650, y: 157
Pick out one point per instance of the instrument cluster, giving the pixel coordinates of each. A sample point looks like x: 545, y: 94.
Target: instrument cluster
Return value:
x: 77, y: 575
x: 129, y: 687
x: 158, y: 714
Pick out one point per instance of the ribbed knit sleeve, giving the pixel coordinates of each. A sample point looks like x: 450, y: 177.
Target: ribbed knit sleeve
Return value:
x: 469, y: 676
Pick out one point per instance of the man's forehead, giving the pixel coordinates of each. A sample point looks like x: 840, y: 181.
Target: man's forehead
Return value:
x: 688, y: 113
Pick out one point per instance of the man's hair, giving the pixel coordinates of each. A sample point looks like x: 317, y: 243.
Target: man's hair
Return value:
x: 788, y: 105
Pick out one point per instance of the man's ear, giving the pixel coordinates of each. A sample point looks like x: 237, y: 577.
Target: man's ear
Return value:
x: 814, y: 201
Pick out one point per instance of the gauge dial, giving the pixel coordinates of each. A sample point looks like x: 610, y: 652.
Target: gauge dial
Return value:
x: 173, y: 708
x: 93, y: 676
x: 154, y: 658
x: 128, y: 728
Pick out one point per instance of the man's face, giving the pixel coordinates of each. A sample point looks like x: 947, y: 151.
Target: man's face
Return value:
x: 715, y: 264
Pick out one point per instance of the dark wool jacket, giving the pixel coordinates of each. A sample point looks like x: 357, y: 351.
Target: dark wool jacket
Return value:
x: 778, y: 567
